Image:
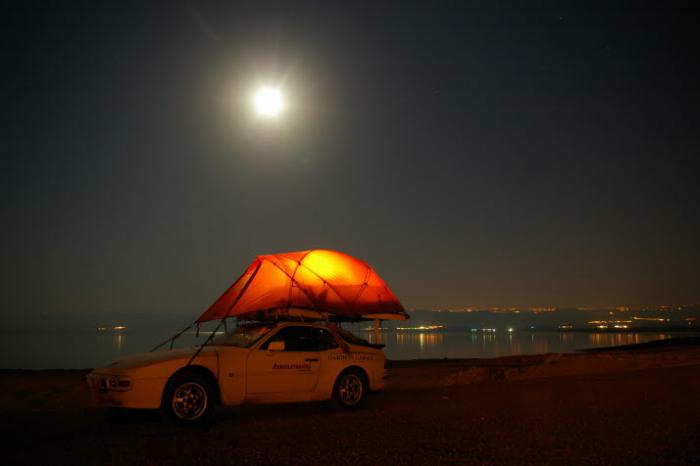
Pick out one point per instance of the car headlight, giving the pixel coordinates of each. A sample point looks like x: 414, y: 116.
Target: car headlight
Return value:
x: 115, y: 383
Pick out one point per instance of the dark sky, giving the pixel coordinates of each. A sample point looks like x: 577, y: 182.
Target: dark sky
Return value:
x: 476, y: 153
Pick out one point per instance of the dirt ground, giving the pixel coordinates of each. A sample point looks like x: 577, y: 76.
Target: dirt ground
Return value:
x: 604, y: 408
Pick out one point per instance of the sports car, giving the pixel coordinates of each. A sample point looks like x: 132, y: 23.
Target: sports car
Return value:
x: 260, y: 362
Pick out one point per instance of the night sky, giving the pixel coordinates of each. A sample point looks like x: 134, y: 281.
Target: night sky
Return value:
x: 475, y: 153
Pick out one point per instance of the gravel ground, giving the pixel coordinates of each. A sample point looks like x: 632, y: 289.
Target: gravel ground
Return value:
x: 647, y: 416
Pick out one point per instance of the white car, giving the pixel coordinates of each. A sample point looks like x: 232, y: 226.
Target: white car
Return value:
x: 255, y: 363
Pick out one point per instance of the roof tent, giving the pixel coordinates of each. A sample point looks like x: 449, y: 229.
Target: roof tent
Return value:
x: 318, y: 283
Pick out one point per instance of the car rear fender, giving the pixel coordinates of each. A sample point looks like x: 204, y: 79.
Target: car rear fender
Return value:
x: 361, y: 370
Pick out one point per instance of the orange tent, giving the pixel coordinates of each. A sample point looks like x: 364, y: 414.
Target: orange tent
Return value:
x: 315, y: 283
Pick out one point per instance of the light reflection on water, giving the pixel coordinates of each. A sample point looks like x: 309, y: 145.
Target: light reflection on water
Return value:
x: 90, y: 349
x: 454, y: 344
x: 118, y: 341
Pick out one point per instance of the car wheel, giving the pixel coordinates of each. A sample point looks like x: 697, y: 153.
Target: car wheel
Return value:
x: 350, y: 389
x: 188, y: 398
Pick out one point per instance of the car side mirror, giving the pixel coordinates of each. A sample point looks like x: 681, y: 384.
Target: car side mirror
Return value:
x: 276, y: 346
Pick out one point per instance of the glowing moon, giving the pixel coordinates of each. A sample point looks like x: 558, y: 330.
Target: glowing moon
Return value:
x: 268, y: 102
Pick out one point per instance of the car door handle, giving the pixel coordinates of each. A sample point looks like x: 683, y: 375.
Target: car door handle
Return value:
x: 311, y: 359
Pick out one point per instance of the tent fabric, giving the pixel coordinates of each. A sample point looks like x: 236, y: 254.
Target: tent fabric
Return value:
x: 321, y: 280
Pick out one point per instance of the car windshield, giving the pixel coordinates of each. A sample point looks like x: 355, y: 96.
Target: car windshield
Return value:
x: 244, y: 335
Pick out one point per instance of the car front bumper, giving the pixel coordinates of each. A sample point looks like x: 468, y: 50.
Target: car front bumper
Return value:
x: 141, y: 393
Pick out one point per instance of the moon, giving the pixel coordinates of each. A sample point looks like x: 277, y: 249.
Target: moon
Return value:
x: 268, y: 102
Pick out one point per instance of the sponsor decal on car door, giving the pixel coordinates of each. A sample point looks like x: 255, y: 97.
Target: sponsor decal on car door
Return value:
x: 292, y: 369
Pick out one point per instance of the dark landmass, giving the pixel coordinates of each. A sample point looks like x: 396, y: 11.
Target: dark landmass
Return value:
x: 610, y: 407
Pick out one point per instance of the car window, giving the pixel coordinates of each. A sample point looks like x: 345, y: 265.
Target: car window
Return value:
x: 323, y: 339
x: 303, y: 339
x: 294, y: 338
x: 352, y: 338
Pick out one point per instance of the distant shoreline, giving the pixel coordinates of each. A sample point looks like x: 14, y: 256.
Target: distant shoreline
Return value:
x: 560, y: 330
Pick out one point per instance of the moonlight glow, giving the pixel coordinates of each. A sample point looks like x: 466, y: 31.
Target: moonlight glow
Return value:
x: 268, y: 102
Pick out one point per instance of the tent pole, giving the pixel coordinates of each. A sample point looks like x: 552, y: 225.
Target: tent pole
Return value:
x: 172, y: 339
x: 376, y: 331
x: 206, y: 342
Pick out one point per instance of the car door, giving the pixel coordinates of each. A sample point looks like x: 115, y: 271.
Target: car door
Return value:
x: 293, y: 369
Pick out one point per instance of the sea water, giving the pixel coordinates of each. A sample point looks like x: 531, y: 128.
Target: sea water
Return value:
x: 91, y: 348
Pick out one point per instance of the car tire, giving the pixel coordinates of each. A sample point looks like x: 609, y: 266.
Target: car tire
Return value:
x: 350, y: 389
x: 188, y: 398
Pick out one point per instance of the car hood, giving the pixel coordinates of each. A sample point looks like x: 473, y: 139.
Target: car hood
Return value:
x: 156, y: 357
